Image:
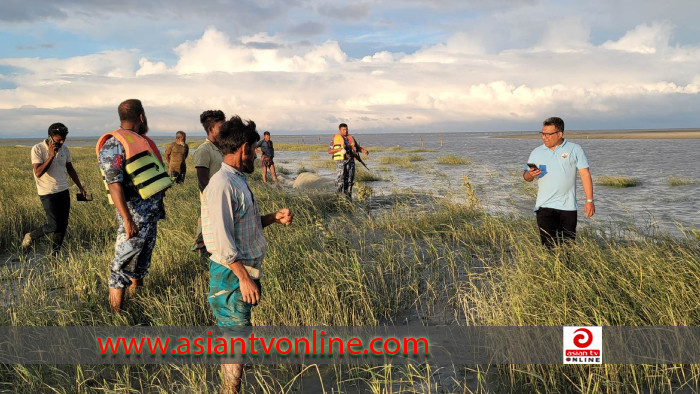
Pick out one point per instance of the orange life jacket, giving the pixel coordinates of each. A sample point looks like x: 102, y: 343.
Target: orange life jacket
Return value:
x: 144, y: 165
x: 338, y: 142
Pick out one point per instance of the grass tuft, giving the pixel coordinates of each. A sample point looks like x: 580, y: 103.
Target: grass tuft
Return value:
x: 617, y: 181
x: 304, y: 169
x: 679, y: 181
x: 453, y: 160
x: 362, y: 175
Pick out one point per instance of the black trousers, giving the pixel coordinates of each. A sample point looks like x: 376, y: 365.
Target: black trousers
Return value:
x: 57, y: 207
x: 178, y: 177
x: 556, y: 226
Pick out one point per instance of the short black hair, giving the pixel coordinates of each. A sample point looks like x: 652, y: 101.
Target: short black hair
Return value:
x: 340, y: 126
x: 266, y: 133
x: 558, y: 123
x: 211, y: 117
x: 58, y: 129
x: 235, y: 132
x: 130, y: 110
x: 180, y: 134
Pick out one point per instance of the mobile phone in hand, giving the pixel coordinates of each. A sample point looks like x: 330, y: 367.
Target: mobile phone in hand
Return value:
x: 81, y: 197
x: 532, y: 166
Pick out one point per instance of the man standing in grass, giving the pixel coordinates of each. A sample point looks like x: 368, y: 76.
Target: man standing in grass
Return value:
x: 136, y: 181
x: 50, y: 162
x: 267, y: 151
x: 207, y: 161
x: 555, y: 163
x: 344, y: 148
x: 175, y: 154
x: 233, y: 232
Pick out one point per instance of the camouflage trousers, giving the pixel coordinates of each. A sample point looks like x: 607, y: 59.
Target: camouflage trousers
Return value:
x: 132, y: 257
x: 345, y: 176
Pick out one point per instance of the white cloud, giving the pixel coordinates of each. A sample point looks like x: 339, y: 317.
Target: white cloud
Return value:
x: 296, y: 88
x: 148, y: 67
x: 214, y: 52
x: 645, y: 39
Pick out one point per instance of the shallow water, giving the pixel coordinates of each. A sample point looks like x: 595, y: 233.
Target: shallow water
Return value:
x: 496, y: 174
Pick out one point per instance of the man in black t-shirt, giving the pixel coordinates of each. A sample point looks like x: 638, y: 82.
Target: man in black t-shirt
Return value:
x: 267, y: 152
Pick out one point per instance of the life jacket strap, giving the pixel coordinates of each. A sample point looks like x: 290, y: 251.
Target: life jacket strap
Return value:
x: 151, y: 180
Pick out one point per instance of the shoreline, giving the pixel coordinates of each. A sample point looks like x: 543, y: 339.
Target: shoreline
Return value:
x: 637, y: 134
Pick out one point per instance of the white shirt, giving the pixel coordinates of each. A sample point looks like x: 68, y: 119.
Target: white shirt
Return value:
x: 54, y: 179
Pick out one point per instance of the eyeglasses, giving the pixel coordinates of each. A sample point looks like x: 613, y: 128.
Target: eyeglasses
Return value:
x: 549, y: 134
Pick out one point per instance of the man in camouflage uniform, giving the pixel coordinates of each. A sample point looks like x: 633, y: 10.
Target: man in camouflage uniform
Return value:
x: 345, y: 169
x: 137, y: 218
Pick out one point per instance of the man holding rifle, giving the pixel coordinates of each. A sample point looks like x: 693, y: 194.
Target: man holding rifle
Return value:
x: 344, y: 148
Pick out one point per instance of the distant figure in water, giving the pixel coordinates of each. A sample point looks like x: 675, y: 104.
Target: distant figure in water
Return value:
x: 555, y: 164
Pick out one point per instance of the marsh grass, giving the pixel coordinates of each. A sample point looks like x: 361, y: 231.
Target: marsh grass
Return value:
x: 680, y: 181
x: 414, y: 157
x: 400, y: 149
x: 282, y: 170
x: 453, y: 160
x: 339, y: 265
x: 396, y: 161
x: 362, y: 175
x: 303, y: 169
x: 288, y: 146
x: 617, y: 181
x: 282, y: 146
x: 329, y: 164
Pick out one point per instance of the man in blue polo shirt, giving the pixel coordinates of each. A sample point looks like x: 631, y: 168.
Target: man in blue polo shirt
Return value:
x: 555, y: 165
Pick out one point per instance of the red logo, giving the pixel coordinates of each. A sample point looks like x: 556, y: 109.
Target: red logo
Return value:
x: 583, y: 339
x: 117, y: 161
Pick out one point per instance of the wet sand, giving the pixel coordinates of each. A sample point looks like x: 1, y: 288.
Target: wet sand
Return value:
x: 615, y: 134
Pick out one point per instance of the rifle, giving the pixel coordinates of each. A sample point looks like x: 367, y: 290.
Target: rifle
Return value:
x: 354, y: 155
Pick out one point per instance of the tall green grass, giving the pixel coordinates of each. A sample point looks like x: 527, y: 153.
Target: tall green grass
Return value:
x: 341, y: 264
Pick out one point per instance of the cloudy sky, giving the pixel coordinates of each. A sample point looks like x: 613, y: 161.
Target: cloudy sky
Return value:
x: 303, y: 66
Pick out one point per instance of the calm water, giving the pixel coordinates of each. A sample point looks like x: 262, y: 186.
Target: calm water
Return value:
x: 496, y: 170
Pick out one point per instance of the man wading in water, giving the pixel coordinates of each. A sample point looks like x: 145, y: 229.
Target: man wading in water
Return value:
x: 345, y: 162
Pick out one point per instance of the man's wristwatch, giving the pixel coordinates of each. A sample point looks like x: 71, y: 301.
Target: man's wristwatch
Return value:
x: 589, y: 200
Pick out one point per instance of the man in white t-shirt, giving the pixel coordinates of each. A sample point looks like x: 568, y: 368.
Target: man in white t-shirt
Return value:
x: 50, y: 161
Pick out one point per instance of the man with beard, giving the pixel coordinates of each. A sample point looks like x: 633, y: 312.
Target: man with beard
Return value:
x: 136, y: 179
x: 233, y: 232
